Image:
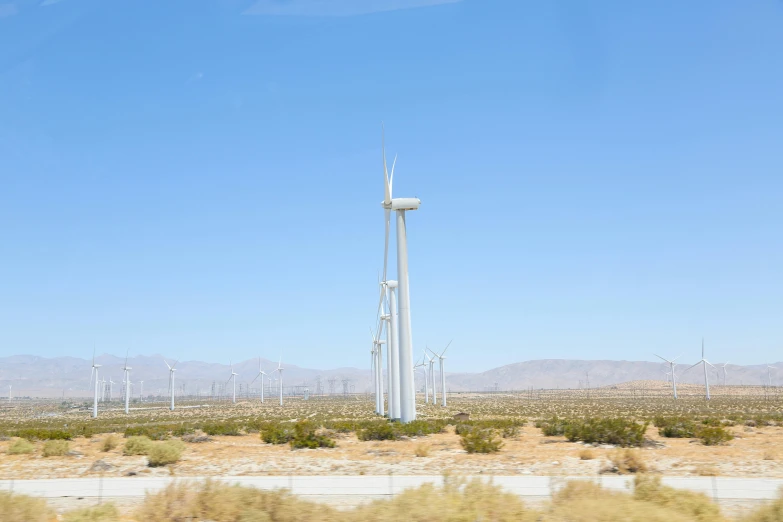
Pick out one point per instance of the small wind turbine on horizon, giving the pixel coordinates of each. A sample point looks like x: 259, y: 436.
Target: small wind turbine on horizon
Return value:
x: 431, y: 374
x: 441, y: 358
x: 172, y: 369
x: 233, y: 379
x: 723, y: 367
x: 94, y: 372
x: 127, y: 370
x: 705, y: 362
x: 769, y: 374
x: 262, y: 375
x: 671, y: 370
x: 423, y: 366
x: 111, y: 388
x: 279, y: 370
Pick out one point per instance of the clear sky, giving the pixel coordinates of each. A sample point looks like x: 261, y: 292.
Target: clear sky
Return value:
x: 203, y: 179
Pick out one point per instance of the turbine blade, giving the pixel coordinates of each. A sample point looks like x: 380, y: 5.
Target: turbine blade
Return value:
x: 689, y: 367
x: 446, y: 348
x: 661, y: 358
x: 391, y: 178
x: 386, y: 191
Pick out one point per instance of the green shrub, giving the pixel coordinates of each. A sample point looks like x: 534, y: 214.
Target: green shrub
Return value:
x: 164, y: 453
x: 620, y: 432
x: 20, y: 447
x: 102, y: 513
x: 480, y: 440
x: 109, y: 443
x: 43, y: 434
x: 305, y: 436
x: 55, y: 448
x: 682, y: 429
x: 649, y: 489
x: 553, y: 427
x: 221, y: 428
x: 378, y: 431
x: 712, y: 436
x: 137, y: 445
x: 151, y: 432
x: 419, y: 428
x: 275, y: 433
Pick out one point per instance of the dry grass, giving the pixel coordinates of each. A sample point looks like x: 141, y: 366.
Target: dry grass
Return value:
x: 20, y: 447
x: 21, y: 508
x: 164, y: 453
x: 102, y: 513
x: 697, y: 505
x: 109, y: 443
x: 55, y: 448
x: 627, y: 461
x: 586, y: 454
x: 139, y: 445
x: 423, y: 450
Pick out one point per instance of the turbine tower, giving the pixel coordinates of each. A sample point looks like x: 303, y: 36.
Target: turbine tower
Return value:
x: 172, y: 369
x: 404, y: 337
x: 431, y: 373
x: 671, y: 369
x: 141, y: 391
x: 724, y: 372
x: 441, y: 358
x: 769, y: 374
x: 279, y: 370
x: 233, y: 378
x: 705, y: 362
x: 111, y: 388
x: 393, y: 349
x: 262, y: 375
x: 127, y: 370
x: 426, y: 392
x: 94, y: 371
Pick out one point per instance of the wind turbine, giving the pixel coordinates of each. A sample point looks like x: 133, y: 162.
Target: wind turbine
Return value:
x: 404, y: 338
x: 94, y: 371
x: 724, y: 372
x: 431, y: 373
x: 705, y: 362
x: 233, y: 378
x: 111, y: 388
x: 279, y: 370
x: 769, y: 374
x: 426, y: 382
x: 127, y: 370
x: 141, y: 391
x: 172, y: 369
x: 262, y: 375
x: 441, y: 358
x: 671, y: 369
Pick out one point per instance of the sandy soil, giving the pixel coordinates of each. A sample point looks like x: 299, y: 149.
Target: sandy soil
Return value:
x: 754, y: 452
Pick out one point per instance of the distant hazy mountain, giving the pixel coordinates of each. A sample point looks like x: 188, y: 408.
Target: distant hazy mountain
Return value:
x: 51, y: 377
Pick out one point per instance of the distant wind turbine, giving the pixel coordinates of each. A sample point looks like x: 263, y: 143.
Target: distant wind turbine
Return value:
x: 172, y: 369
x: 671, y: 369
x: 769, y: 374
x: 441, y: 358
x: 127, y: 370
x: 723, y: 367
x: 704, y: 362
x: 94, y: 372
x: 262, y: 375
x: 233, y: 378
x: 279, y: 370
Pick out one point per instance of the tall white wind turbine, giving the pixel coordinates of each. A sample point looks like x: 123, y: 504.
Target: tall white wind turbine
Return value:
x: 172, y: 369
x: 404, y: 337
x: 769, y: 374
x: 127, y: 370
x: 111, y: 389
x: 671, y: 369
x: 426, y: 381
x: 279, y: 370
x: 94, y: 373
x: 723, y: 367
x: 431, y: 373
x: 441, y: 358
x: 262, y: 375
x: 704, y: 362
x: 233, y: 378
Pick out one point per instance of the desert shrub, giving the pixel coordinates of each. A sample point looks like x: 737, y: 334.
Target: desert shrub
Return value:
x: 21, y: 508
x: 277, y: 433
x: 196, y: 438
x: 227, y: 503
x: 305, y: 436
x: 419, y: 428
x: 55, y: 448
x: 457, y: 501
x: 164, y: 453
x: 221, y: 428
x: 480, y: 440
x: 553, y: 427
x: 617, y: 431
x: 772, y: 512
x: 151, y: 432
x: 342, y: 426
x: 378, y: 431
x: 181, y: 431
x: 423, y: 450
x: 137, y: 445
x: 627, y: 461
x: 109, y: 443
x: 20, y: 447
x: 681, y: 429
x: 586, y: 454
x: 43, y: 434
x: 649, y: 489
x: 712, y: 436
x: 102, y: 513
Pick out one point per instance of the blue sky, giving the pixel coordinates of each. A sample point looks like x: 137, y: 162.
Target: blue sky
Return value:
x: 202, y: 179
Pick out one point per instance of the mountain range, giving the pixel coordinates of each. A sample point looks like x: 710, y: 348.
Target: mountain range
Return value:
x: 33, y: 376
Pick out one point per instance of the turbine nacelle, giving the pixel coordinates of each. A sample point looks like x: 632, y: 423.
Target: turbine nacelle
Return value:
x: 402, y: 204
